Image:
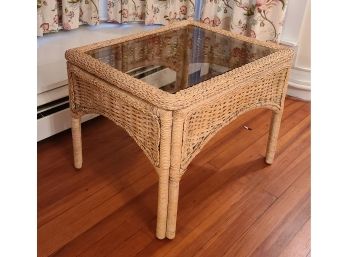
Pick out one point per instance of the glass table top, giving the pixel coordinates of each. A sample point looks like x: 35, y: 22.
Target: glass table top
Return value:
x: 181, y: 58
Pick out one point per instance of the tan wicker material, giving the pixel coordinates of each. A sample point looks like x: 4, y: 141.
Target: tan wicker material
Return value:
x: 77, y: 142
x: 172, y: 128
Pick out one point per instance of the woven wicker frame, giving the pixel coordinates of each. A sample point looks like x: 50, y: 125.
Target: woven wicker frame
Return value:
x: 171, y: 129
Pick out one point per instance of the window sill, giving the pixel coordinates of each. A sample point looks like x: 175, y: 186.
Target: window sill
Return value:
x: 51, y: 64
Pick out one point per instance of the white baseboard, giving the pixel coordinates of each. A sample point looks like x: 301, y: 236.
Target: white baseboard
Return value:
x: 300, y: 83
x: 56, y: 123
x: 52, y: 95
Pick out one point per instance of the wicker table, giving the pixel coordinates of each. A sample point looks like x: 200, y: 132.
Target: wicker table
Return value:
x: 201, y: 79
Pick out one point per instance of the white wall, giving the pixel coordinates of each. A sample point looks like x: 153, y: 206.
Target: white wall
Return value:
x: 296, y: 33
x: 303, y: 59
x: 293, y: 22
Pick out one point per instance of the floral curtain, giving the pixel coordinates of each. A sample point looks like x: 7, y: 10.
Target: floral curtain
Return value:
x: 66, y: 14
x: 262, y: 19
x: 150, y: 11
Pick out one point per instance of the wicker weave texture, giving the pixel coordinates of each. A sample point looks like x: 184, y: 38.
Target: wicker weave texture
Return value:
x: 206, y: 120
x: 140, y: 119
x: 184, y: 98
x: 171, y: 129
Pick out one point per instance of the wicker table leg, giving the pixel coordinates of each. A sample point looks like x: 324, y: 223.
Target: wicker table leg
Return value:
x: 163, y: 173
x: 172, y: 207
x: 273, y: 136
x: 162, y: 206
x: 175, y: 173
x: 77, y: 142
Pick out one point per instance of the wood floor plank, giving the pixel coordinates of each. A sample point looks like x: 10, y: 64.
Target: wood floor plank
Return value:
x: 90, y: 185
x: 280, y: 237
x: 81, y: 217
x: 297, y: 194
x: 234, y: 231
x: 230, y: 202
x: 241, y: 214
x: 111, y: 241
x: 300, y: 244
x: 291, y: 116
x: 245, y: 165
x: 137, y: 212
x: 81, y: 184
x: 132, y: 245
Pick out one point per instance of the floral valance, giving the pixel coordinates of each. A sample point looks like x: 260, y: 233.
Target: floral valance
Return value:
x: 150, y: 11
x: 67, y: 14
x: 262, y: 19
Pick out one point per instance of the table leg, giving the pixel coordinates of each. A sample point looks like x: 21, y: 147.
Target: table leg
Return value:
x: 175, y: 173
x: 77, y: 142
x: 162, y: 206
x: 172, y: 207
x: 163, y: 173
x: 273, y: 136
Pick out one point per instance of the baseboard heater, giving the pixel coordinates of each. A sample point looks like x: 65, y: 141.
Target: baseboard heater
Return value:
x: 54, y: 117
x: 52, y: 107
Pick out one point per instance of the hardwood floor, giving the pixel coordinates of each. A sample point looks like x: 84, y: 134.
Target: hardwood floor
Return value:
x: 231, y: 203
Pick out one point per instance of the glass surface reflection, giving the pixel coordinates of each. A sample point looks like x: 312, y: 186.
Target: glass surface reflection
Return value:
x: 178, y: 59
